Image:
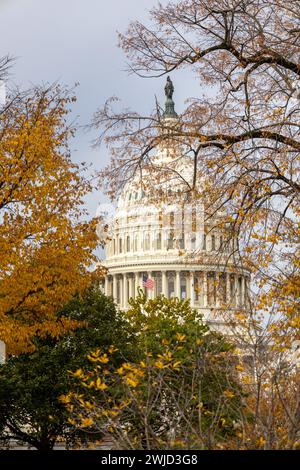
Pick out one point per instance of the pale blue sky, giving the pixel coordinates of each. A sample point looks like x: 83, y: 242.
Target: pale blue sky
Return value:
x: 76, y: 41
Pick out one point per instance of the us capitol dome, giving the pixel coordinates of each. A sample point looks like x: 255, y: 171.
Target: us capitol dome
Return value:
x: 167, y: 245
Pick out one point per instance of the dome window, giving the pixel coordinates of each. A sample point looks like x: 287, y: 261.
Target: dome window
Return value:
x: 213, y: 243
x: 172, y: 217
x: 128, y: 243
x: 158, y: 241
x: 211, y: 289
x: 183, y: 287
x: 170, y: 241
x: 181, y: 242
x: 171, y: 286
x: 147, y: 242
x: 204, y: 242
x: 193, y: 242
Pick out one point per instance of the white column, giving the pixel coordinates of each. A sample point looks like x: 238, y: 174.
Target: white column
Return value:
x: 121, y: 291
x: 115, y: 292
x: 246, y: 292
x: 131, y: 293
x: 236, y: 294
x: 191, y: 288
x: 137, y: 283
x: 187, y: 275
x: 205, y: 293
x: 228, y: 299
x: 243, y: 292
x: 177, y: 284
x: 106, y: 285
x: 164, y: 283
x: 216, y: 288
x: 125, y: 291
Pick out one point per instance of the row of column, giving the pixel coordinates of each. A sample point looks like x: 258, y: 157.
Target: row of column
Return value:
x: 125, y: 286
x: 163, y: 240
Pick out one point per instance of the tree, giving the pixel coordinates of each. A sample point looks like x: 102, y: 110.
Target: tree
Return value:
x: 242, y: 139
x: 31, y: 383
x: 181, y: 391
x: 46, y: 245
x: 159, y: 320
x: 5, y: 64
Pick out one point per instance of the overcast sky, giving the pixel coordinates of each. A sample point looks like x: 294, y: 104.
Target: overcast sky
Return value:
x: 76, y: 41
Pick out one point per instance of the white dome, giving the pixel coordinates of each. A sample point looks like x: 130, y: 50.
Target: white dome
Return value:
x: 161, y: 241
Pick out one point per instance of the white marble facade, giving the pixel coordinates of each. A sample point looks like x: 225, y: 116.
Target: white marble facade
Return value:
x: 186, y: 257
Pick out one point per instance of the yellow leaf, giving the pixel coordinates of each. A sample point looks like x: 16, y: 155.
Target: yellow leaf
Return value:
x: 176, y: 364
x: 228, y: 394
x: 180, y: 337
x: 100, y: 385
x: 132, y: 382
x: 86, y: 422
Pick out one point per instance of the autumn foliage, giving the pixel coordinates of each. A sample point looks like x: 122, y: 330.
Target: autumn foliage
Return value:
x: 46, y: 246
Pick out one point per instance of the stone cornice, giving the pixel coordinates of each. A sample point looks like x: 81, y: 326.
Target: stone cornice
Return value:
x: 169, y: 266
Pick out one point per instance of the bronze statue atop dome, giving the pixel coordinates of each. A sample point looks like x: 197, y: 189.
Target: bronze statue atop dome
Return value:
x: 170, y: 105
x: 169, y: 88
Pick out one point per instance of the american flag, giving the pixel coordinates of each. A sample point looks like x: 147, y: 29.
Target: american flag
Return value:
x: 148, y: 282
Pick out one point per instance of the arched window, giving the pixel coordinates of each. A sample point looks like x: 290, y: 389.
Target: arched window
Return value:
x: 172, y: 220
x: 181, y: 238
x: 158, y: 284
x: 158, y: 241
x: 170, y: 244
x: 193, y: 242
x: 181, y: 242
x: 213, y: 243
x: 120, y: 245
x: 128, y: 243
x: 147, y: 242
x: 170, y: 241
x: 171, y: 286
x: 211, y: 289
x: 183, y: 286
x: 114, y: 246
x: 240, y: 297
x: 222, y: 288
x: 221, y: 243
x: 204, y: 242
